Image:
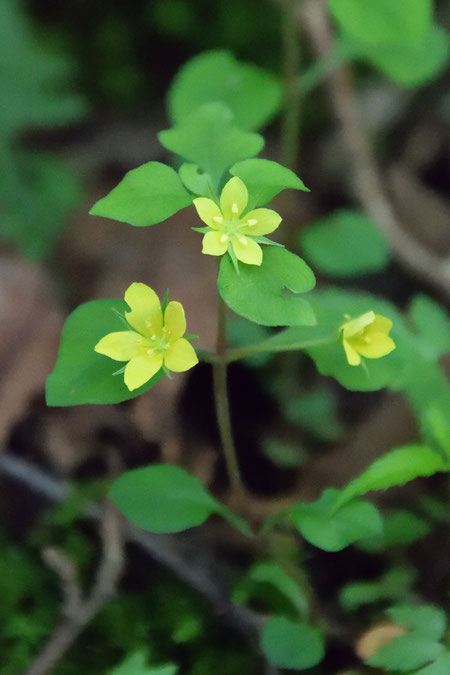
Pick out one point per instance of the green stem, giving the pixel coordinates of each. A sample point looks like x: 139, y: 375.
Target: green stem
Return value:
x: 240, y: 353
x: 205, y: 355
x: 290, y: 122
x: 223, y: 406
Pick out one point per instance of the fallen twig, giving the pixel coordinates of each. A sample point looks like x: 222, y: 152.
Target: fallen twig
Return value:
x: 77, y: 611
x: 182, y: 555
x: 369, y: 187
x: 68, y: 575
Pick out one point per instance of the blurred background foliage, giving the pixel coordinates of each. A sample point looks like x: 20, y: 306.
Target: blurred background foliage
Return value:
x: 72, y: 73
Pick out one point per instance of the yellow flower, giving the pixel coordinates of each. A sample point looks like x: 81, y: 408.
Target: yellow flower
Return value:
x: 155, y: 342
x: 368, y: 336
x: 228, y: 227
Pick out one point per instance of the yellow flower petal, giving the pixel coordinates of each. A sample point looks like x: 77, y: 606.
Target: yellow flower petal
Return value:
x: 141, y: 369
x: 381, y: 324
x: 145, y: 315
x: 267, y: 221
x: 180, y: 356
x: 233, y: 199
x: 247, y: 251
x: 353, y: 357
x: 208, y: 210
x: 121, y: 346
x: 212, y: 244
x: 175, y: 320
x: 353, y: 326
x: 379, y: 345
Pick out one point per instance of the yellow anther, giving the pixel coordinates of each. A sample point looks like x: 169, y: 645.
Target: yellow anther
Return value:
x: 243, y: 240
x: 234, y: 208
x: 218, y: 219
x: 252, y: 221
x: 223, y: 238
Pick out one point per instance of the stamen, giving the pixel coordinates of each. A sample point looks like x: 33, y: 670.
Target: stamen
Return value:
x: 218, y: 219
x: 150, y: 352
x: 223, y: 238
x: 243, y: 240
x: 234, y: 208
x: 252, y: 221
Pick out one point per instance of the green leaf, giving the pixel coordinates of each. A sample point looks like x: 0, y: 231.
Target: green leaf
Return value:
x: 210, y: 138
x: 252, y: 94
x: 400, y: 528
x: 284, y: 453
x: 264, y: 179
x: 433, y: 326
x: 259, y: 293
x: 391, y: 586
x: 147, y: 195
x: 331, y: 527
x: 345, y: 244
x: 37, y: 195
x: 378, y: 22
x: 396, y: 467
x: 416, y: 648
x: 35, y: 84
x: 428, y: 392
x: 435, y: 508
x: 273, y: 574
x: 80, y: 374
x: 440, y: 667
x: 169, y: 669
x: 173, y: 18
x: 315, y: 411
x: 17, y: 579
x: 411, y: 66
x: 194, y: 180
x: 291, y: 644
x: 165, y: 498
x: 436, y: 427
x: 405, y: 653
x: 243, y: 333
x: 426, y: 620
x: 136, y: 664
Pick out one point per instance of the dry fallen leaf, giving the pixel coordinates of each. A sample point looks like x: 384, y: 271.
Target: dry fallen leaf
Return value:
x: 30, y: 327
x: 376, y: 637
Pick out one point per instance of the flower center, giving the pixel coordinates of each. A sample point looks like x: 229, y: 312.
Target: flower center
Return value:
x: 159, y: 343
x: 361, y: 335
x: 232, y: 229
